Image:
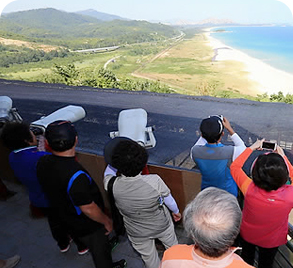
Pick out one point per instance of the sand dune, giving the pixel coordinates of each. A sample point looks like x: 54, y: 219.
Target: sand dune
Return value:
x: 269, y: 79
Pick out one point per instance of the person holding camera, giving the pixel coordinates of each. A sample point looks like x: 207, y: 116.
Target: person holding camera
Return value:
x: 214, y: 158
x: 268, y: 200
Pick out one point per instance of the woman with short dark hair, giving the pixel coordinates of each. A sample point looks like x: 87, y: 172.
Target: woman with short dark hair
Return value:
x: 144, y: 201
x: 268, y: 201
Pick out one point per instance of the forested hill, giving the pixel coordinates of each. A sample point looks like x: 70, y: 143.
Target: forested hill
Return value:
x: 57, y: 27
x: 47, y: 19
x: 100, y: 15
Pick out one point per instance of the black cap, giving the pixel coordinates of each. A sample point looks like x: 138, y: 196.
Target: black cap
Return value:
x: 61, y: 135
x: 110, y: 146
x: 211, y: 128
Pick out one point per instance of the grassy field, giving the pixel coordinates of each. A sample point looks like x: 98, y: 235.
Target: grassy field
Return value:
x: 185, y: 66
x: 188, y: 67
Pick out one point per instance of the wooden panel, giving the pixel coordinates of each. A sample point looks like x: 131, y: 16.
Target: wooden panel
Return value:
x: 184, y: 184
x: 191, y: 185
x: 95, y: 165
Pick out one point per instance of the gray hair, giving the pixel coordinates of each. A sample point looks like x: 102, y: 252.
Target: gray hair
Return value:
x: 213, y: 221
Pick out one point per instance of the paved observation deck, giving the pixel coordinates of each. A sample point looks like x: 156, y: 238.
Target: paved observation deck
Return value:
x: 176, y: 120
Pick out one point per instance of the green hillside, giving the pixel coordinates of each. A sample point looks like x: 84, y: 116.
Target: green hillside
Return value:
x: 99, y: 15
x: 76, y: 31
x: 48, y: 19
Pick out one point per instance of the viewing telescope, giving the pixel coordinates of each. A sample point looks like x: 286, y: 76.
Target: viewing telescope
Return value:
x: 7, y: 112
x: 70, y: 113
x: 132, y: 124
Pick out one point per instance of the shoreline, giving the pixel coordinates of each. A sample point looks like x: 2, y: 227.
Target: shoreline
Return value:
x: 268, y: 79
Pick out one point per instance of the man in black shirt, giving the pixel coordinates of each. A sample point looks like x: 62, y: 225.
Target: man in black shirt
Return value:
x: 74, y: 195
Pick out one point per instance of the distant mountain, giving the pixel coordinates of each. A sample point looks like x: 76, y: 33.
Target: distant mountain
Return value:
x: 100, y: 15
x: 48, y: 19
x: 51, y: 26
x: 214, y: 21
x: 206, y: 22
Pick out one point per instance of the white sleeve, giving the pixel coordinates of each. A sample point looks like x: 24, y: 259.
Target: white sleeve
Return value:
x: 110, y: 171
x: 171, y: 203
x: 200, y: 141
x: 239, y: 145
x: 108, y: 174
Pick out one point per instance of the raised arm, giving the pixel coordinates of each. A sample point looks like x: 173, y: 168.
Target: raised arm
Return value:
x: 239, y: 176
x: 239, y: 145
x: 241, y: 179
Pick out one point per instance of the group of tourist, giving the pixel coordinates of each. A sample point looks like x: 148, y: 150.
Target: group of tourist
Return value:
x: 60, y: 188
x: 267, y: 194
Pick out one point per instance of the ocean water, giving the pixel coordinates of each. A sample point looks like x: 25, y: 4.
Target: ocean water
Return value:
x: 273, y: 45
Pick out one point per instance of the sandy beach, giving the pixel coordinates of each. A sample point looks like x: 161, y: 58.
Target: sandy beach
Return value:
x: 268, y: 79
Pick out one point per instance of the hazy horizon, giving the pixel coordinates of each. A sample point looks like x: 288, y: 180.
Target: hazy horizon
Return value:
x: 248, y: 12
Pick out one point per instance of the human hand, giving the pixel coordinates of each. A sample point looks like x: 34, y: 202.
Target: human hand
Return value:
x: 257, y: 145
x: 280, y: 151
x: 227, y: 125
x: 176, y: 216
x: 108, y: 224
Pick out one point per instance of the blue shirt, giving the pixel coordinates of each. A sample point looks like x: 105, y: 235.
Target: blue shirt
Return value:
x: 214, y: 161
x: 23, y: 163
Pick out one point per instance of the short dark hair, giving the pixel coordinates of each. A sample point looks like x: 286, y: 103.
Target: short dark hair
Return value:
x: 129, y: 158
x: 61, y: 135
x: 270, y: 172
x: 211, y: 129
x: 16, y: 135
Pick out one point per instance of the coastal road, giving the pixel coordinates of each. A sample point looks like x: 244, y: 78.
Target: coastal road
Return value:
x: 176, y: 118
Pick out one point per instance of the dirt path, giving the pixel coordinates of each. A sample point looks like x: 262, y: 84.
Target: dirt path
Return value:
x: 110, y: 60
x: 9, y: 42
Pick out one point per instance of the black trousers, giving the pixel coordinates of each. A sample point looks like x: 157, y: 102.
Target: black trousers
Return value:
x: 60, y: 232
x: 98, y: 244
x: 266, y: 256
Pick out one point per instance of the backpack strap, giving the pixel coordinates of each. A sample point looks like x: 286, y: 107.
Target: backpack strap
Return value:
x: 72, y: 179
x: 110, y: 187
x: 118, y: 223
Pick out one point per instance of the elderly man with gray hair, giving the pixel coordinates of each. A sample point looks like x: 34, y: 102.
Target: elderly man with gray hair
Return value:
x: 212, y: 220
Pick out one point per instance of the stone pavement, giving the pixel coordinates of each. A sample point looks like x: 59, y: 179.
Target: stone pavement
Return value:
x: 31, y: 239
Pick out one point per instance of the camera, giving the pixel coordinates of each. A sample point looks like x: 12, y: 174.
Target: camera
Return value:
x: 269, y: 145
x: 220, y: 116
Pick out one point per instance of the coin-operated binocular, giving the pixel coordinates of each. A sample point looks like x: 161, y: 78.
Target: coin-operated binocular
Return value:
x: 7, y: 112
x: 70, y: 113
x: 132, y: 123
